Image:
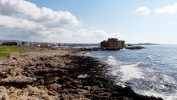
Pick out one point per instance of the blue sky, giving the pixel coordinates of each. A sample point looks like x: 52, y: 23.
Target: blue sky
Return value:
x: 90, y: 21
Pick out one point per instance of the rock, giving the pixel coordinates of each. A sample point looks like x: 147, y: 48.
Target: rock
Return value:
x: 3, y: 75
x: 53, y: 93
x: 54, y: 86
x: 56, y: 79
x: 46, y: 97
x: 3, y: 94
x: 94, y: 87
x: 64, y: 97
x: 87, y: 87
x: 32, y: 90
x: 88, y: 95
x: 76, y: 83
x: 5, y: 63
x: 17, y: 80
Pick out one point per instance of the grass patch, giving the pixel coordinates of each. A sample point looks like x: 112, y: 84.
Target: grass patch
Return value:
x: 9, y: 50
x: 3, y: 54
x: 6, y: 51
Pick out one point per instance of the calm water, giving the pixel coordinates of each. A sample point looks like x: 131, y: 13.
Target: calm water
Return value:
x: 151, y: 71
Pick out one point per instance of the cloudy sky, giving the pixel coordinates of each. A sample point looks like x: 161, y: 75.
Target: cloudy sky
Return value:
x: 89, y: 21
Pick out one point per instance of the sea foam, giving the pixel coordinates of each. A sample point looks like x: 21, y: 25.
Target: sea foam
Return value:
x: 131, y: 72
x: 172, y: 96
x: 112, y: 61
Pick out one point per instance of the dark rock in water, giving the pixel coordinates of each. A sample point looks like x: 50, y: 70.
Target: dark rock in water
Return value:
x: 112, y: 49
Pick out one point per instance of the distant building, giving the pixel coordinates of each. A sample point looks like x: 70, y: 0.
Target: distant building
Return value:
x: 42, y: 45
x: 24, y: 43
x: 113, y: 43
x: 10, y: 43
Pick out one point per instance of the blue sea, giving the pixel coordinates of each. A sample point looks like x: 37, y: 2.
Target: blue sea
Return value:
x: 151, y: 71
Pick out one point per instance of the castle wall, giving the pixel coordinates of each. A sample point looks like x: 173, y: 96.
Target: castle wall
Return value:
x: 113, y: 43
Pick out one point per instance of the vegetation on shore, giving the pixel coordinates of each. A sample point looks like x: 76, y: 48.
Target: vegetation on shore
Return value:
x: 6, y: 51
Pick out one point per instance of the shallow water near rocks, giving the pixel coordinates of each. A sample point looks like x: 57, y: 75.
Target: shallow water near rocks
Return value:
x: 151, y: 71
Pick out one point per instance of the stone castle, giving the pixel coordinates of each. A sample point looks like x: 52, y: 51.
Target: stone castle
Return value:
x: 113, y: 43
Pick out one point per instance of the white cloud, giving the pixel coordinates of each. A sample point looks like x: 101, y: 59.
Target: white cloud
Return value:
x: 23, y: 20
x: 170, y: 9
x: 143, y: 11
x: 12, y: 22
x: 89, y: 36
x: 83, y: 36
x: 29, y: 11
x: 17, y: 12
x: 26, y: 18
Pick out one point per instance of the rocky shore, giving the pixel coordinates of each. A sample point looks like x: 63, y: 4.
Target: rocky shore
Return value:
x: 60, y: 75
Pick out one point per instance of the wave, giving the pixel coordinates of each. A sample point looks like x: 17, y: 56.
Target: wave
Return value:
x: 147, y: 81
x: 131, y: 72
x: 150, y: 72
x: 149, y: 57
x: 112, y: 61
x: 171, y: 96
x: 143, y: 80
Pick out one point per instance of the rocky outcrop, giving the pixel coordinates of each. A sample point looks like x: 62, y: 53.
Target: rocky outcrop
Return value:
x: 61, y: 77
x: 17, y: 80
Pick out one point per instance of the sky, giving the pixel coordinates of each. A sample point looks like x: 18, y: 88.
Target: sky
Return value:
x: 89, y: 21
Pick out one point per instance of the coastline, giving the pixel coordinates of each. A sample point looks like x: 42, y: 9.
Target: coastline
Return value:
x: 60, y: 74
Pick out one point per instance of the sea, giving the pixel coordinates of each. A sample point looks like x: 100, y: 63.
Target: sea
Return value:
x: 151, y: 71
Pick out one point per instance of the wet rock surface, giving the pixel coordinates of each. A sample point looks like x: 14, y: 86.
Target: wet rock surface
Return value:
x: 61, y: 77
